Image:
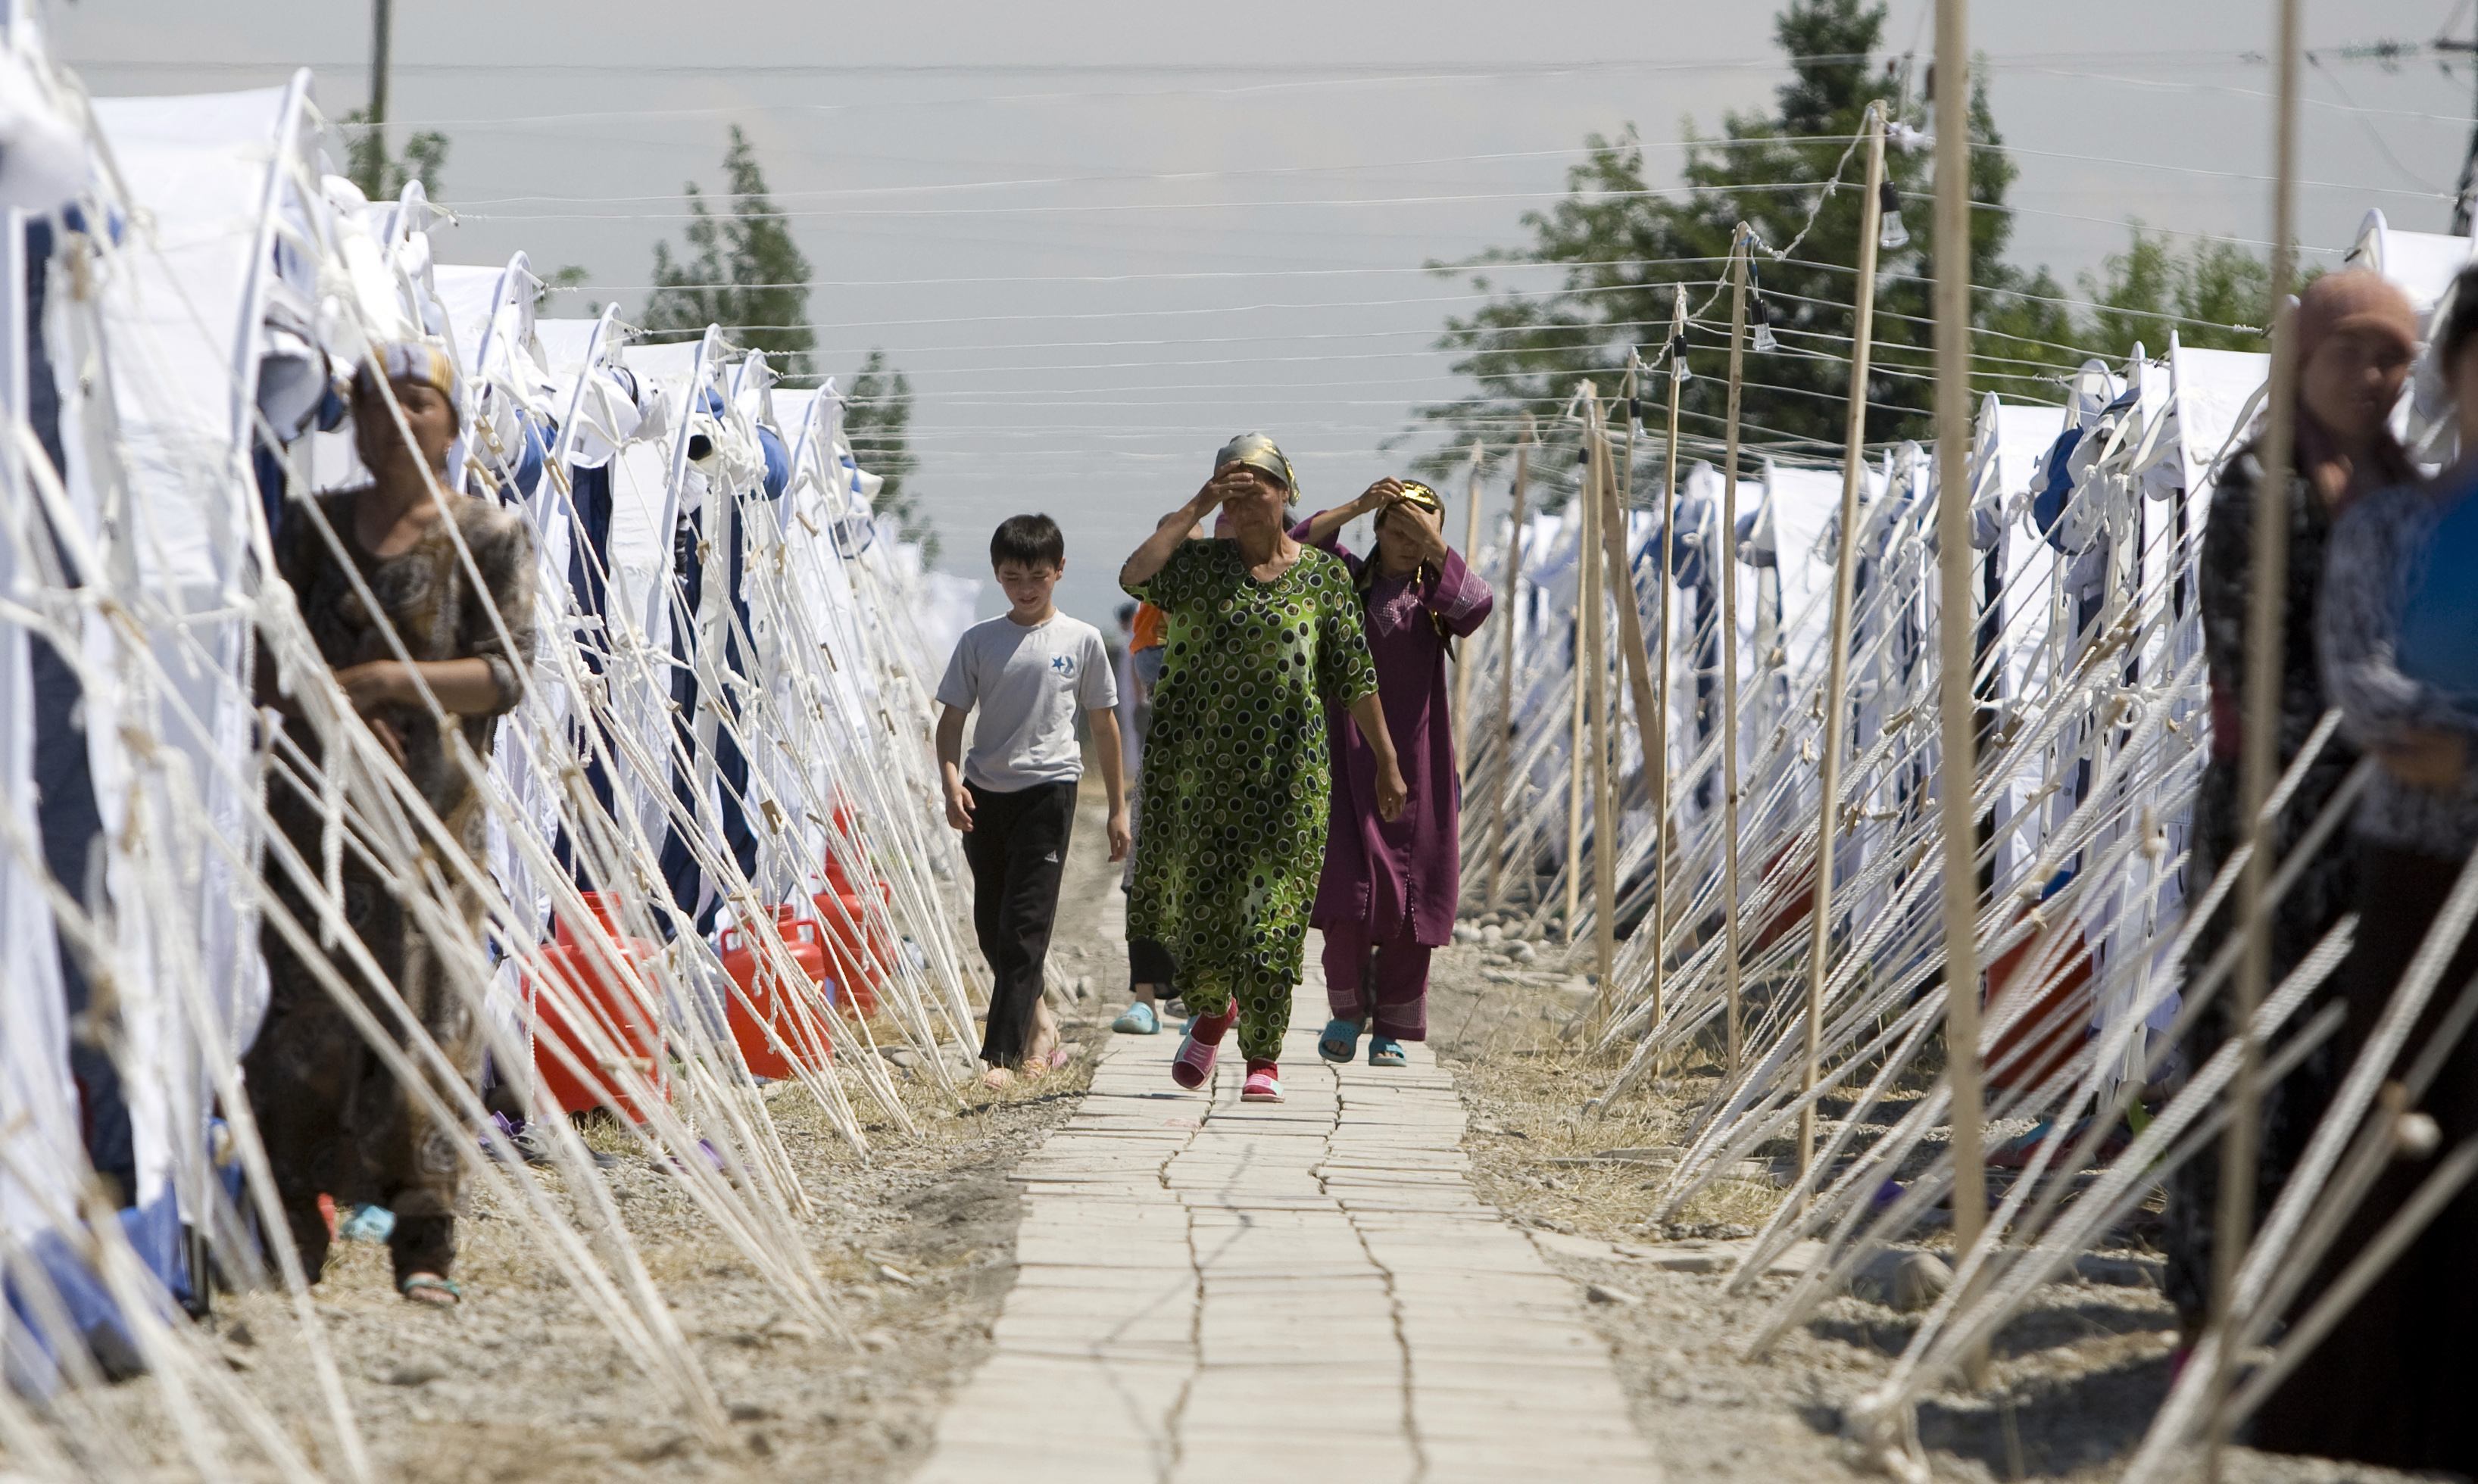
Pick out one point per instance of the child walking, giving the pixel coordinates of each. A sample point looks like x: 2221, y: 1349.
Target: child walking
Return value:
x: 1390, y: 884
x: 1028, y: 672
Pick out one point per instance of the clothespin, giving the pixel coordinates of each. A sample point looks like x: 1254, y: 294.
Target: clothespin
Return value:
x: 1677, y: 366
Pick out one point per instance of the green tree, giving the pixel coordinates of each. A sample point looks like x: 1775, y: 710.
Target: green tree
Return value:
x: 742, y: 272
x: 381, y: 176
x: 877, y: 425
x: 2146, y: 290
x: 1632, y: 248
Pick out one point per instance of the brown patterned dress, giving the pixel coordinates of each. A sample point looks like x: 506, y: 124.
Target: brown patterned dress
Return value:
x: 333, y: 1116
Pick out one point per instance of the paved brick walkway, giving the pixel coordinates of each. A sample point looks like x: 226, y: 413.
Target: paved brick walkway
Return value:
x: 1209, y: 1289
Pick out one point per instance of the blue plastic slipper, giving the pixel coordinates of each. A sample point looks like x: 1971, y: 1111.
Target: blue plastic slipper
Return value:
x: 1340, y: 1041
x: 1138, y: 1019
x: 1385, y: 1052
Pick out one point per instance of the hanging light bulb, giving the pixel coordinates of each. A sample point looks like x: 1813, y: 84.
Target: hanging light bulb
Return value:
x: 1894, y: 237
x: 1677, y: 366
x: 1763, y: 340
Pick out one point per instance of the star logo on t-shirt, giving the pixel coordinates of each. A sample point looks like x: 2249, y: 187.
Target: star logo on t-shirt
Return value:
x: 1064, y: 664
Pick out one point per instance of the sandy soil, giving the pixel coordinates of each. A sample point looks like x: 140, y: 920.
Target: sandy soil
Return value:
x: 523, y: 1383
x: 2073, y: 1383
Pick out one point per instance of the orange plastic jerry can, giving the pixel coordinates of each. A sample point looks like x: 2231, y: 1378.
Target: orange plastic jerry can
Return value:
x: 797, y: 1013
x: 603, y: 972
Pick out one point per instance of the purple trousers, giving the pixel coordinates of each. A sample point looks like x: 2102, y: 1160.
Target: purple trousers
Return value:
x: 1386, y: 981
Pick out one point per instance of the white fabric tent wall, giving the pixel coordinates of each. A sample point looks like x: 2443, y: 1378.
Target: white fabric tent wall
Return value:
x: 179, y: 320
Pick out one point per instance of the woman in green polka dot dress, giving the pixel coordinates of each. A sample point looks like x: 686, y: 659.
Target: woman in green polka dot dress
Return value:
x: 1261, y: 630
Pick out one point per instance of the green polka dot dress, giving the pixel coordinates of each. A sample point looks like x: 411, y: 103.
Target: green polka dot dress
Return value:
x: 1236, y: 772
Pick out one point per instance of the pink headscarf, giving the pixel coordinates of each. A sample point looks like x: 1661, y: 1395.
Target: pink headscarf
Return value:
x: 2359, y: 301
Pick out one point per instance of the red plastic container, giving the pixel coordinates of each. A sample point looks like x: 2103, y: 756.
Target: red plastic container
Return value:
x: 2039, y: 1045
x: 857, y: 950
x: 797, y: 1013
x: 604, y: 972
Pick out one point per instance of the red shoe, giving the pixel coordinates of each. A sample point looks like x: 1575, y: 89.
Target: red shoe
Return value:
x: 1264, y: 1083
x: 1193, y: 1065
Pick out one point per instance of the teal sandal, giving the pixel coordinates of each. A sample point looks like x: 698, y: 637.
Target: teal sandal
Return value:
x: 431, y: 1283
x: 1385, y: 1050
x: 1340, y: 1041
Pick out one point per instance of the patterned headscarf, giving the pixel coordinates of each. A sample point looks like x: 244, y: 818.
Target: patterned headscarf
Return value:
x: 1256, y: 451
x: 1418, y: 496
x: 416, y: 360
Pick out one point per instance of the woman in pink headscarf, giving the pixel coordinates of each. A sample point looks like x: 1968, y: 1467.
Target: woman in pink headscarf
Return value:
x: 2356, y: 337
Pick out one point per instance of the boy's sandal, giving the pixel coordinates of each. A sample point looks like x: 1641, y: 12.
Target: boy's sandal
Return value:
x: 423, y: 1283
x: 1339, y: 1041
x: 1138, y: 1019
x: 1386, y: 1052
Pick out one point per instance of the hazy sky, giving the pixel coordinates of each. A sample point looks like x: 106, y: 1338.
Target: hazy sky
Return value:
x: 1105, y: 237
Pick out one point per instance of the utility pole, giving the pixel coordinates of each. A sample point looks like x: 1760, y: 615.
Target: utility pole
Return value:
x: 382, y: 32
x: 368, y: 154
x: 2463, y: 193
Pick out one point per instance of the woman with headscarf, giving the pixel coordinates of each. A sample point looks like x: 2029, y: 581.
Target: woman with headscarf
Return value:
x: 1390, y: 888
x: 334, y: 1117
x: 1262, y: 633
x: 2397, y: 633
x: 2356, y: 336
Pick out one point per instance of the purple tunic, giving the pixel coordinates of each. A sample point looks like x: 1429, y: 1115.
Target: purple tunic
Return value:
x: 1408, y: 873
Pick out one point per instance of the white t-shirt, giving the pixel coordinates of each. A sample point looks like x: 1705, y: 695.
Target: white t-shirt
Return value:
x: 1027, y: 682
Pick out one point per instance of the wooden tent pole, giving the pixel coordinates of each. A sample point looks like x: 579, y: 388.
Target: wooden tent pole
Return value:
x: 1616, y: 543
x: 1465, y: 655
x: 1585, y: 589
x: 2258, y: 760
x: 1845, y: 574
x: 1596, y: 626
x: 1955, y: 613
x: 1502, y: 778
x: 1617, y: 547
x: 1660, y: 646
x: 1728, y: 557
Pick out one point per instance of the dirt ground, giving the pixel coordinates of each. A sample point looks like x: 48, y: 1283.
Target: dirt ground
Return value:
x: 522, y: 1382
x: 525, y: 1383
x: 2073, y: 1384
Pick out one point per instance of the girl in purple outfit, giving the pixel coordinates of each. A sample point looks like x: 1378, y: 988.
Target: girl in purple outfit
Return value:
x: 1388, y: 892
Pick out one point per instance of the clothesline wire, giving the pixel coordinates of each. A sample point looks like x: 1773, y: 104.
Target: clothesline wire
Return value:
x: 1145, y: 177
x: 2036, y: 64
x: 2458, y: 120
x: 1752, y: 142
x: 1114, y: 207
x: 1345, y: 71
x: 1441, y: 269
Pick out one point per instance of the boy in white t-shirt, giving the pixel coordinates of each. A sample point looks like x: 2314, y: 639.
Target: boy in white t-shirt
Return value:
x: 1029, y: 672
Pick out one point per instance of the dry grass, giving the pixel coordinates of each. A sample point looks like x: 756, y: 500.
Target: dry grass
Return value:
x: 1538, y: 1150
